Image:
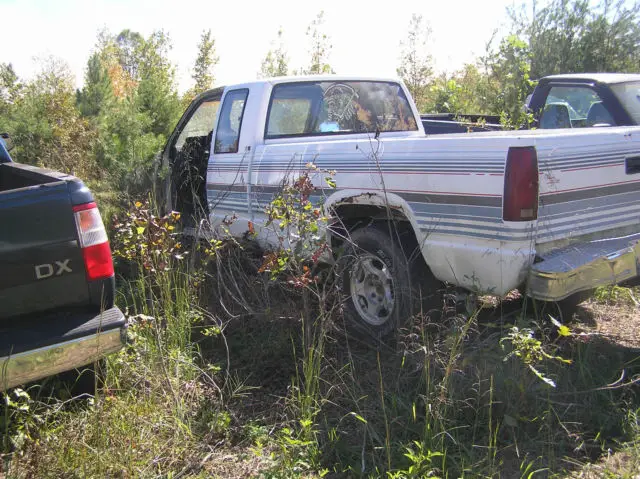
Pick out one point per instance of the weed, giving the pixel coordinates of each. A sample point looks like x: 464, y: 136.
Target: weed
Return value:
x: 240, y: 366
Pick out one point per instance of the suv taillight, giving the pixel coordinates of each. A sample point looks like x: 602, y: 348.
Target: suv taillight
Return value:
x: 520, y: 200
x: 93, y: 241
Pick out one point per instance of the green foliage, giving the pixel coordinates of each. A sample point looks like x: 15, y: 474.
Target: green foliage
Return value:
x: 205, y: 63
x: 276, y: 62
x: 319, y: 48
x: 147, y: 239
x: 294, y: 215
x: 617, y: 295
x: 468, y: 90
x: 19, y: 420
x: 533, y: 351
x: 45, y: 124
x: 131, y: 98
x: 510, y: 73
x: 9, y: 88
x: 445, y: 96
x: 422, y: 463
x: 97, y: 92
x: 416, y: 64
x: 157, y: 94
x: 567, y: 36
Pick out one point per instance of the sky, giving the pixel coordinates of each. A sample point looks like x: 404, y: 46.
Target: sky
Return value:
x: 365, y: 35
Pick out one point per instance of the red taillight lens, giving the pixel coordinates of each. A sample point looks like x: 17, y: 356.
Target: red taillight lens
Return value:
x: 98, y: 262
x: 93, y: 241
x: 520, y: 200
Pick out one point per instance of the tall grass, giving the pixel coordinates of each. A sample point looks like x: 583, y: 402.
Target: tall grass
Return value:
x: 236, y: 356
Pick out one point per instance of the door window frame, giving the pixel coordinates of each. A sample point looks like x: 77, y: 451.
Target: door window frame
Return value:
x: 220, y: 112
x: 189, y: 112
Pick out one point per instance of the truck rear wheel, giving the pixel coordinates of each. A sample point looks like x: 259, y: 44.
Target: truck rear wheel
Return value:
x: 376, y: 282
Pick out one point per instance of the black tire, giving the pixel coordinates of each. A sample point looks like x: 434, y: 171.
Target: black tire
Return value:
x: 372, y: 260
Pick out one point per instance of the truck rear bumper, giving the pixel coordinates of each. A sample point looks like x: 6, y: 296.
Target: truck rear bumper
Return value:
x: 584, y: 266
x: 50, y: 349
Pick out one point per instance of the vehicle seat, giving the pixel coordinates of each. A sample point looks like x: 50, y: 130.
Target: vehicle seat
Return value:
x: 599, y: 115
x: 555, y: 115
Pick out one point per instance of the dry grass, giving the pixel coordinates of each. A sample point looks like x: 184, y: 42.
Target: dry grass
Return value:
x: 619, y: 322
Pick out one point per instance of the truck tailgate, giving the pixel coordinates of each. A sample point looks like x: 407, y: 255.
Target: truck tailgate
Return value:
x: 42, y: 264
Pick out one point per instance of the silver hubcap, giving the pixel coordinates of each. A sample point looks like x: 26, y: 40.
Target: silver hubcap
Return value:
x: 372, y: 289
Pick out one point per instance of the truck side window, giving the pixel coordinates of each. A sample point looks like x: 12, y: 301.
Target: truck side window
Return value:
x: 574, y: 107
x: 230, y: 121
x: 200, y: 125
x: 329, y: 108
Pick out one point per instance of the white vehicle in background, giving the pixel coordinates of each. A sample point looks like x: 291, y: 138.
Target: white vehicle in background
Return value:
x: 553, y: 211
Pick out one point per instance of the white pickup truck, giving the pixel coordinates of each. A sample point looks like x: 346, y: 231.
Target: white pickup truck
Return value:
x: 553, y: 211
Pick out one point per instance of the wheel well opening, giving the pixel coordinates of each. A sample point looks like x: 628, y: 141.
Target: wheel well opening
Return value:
x: 345, y: 218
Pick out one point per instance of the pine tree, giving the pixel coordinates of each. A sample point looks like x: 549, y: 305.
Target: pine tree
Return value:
x: 97, y: 91
x: 205, y: 62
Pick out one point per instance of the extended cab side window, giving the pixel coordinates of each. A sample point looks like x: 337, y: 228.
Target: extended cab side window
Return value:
x: 330, y: 108
x: 574, y: 107
x: 230, y: 121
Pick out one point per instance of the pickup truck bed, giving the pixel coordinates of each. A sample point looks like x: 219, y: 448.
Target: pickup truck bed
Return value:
x: 57, y: 284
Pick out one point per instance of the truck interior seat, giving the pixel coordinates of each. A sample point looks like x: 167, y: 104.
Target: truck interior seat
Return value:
x: 555, y: 115
x: 599, y: 115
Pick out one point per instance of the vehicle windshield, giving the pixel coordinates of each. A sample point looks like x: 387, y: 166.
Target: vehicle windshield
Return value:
x: 629, y: 95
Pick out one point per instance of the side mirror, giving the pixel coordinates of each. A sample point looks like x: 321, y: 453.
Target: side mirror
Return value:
x: 8, y: 142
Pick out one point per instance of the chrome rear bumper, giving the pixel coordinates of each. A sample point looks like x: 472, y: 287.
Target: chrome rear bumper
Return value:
x: 39, y: 363
x: 584, y: 266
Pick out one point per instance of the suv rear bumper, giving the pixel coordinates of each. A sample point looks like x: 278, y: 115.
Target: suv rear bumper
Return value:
x: 43, y: 348
x: 584, y: 266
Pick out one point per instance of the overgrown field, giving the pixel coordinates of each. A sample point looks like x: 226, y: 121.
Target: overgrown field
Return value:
x: 240, y: 365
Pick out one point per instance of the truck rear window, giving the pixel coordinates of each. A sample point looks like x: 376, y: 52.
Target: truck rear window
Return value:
x: 629, y: 95
x: 330, y: 108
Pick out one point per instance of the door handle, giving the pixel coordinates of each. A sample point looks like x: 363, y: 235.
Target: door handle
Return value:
x: 632, y: 165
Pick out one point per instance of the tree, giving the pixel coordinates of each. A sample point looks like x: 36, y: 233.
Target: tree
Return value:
x: 570, y: 36
x: 128, y: 46
x: 509, y: 81
x: 157, y: 91
x: 97, y: 90
x: 131, y: 98
x: 205, y: 62
x: 47, y: 127
x: 10, y: 87
x: 276, y: 62
x: 416, y: 64
x: 319, y: 48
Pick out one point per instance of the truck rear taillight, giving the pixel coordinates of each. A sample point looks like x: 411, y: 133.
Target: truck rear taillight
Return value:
x: 520, y: 200
x: 93, y: 241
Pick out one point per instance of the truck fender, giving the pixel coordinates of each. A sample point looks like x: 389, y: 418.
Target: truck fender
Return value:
x: 379, y: 199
